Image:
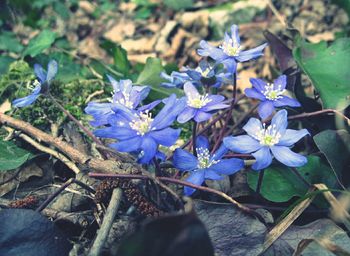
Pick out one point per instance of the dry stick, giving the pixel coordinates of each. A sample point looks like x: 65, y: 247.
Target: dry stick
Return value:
x: 52, y: 152
x: 183, y: 183
x: 194, y: 137
x: 107, y: 223
x: 250, y: 111
x: 320, y: 112
x: 12, y: 177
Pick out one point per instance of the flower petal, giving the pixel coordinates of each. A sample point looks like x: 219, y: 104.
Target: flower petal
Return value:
x: 234, y: 34
x: 265, y: 109
x: 201, y: 116
x: 228, y: 166
x: 288, y: 157
x: 211, y: 51
x: 190, y: 90
x: 280, y: 121
x: 242, y: 144
x: 25, y: 101
x: 202, y: 142
x: 251, y: 54
x: 258, y: 84
x: 286, y: 101
x: 40, y: 73
x: 184, y: 161
x: 113, y: 132
x: 52, y: 68
x: 149, y: 150
x: 196, y: 178
x: 253, y: 126
x: 220, y: 152
x: 253, y: 93
x: 230, y: 64
x: 280, y: 82
x: 292, y: 136
x: 263, y: 158
x: 212, y: 175
x: 115, y: 83
x: 166, y: 137
x: 129, y: 145
x: 186, y: 115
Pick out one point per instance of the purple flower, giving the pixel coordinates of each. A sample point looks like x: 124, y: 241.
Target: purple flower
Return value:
x: 140, y: 132
x: 175, y: 79
x: 270, y: 95
x: 205, y: 166
x: 40, y: 86
x: 230, y: 52
x: 262, y: 141
x: 199, y: 107
x: 124, y: 93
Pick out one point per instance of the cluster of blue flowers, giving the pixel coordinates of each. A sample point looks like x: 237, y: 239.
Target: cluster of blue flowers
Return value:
x: 134, y: 128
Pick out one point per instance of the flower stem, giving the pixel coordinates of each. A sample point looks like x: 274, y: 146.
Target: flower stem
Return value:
x: 158, y: 170
x: 194, y: 137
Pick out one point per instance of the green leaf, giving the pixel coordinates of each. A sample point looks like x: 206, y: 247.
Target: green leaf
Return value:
x: 280, y: 183
x: 11, y: 156
x: 8, y: 42
x: 40, y: 43
x: 328, y: 69
x: 150, y: 75
x: 121, y: 61
x: 335, y: 145
x: 5, y: 62
x: 178, y: 4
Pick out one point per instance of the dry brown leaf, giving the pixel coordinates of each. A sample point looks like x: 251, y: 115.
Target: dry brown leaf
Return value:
x: 120, y: 30
x: 90, y: 47
x: 5, y: 106
x: 144, y: 45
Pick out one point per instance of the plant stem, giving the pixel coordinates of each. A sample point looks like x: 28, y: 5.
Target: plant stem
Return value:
x: 158, y: 170
x: 194, y: 137
x: 260, y: 180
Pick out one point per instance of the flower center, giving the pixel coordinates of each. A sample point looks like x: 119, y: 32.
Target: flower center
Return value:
x: 268, y: 136
x: 231, y: 48
x: 203, y: 157
x: 271, y: 93
x: 125, y: 100
x: 33, y: 85
x: 198, y: 101
x: 142, y: 124
x: 204, y: 73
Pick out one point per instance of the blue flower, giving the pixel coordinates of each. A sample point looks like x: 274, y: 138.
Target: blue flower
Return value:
x: 203, y: 75
x: 271, y: 95
x: 205, y: 166
x: 40, y: 86
x: 140, y: 132
x: 230, y: 52
x: 199, y: 107
x: 275, y: 139
x: 124, y: 93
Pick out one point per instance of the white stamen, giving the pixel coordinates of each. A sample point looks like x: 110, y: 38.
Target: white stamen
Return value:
x: 33, y: 85
x: 198, y: 101
x: 125, y: 101
x: 231, y: 48
x: 268, y: 136
x: 271, y: 93
x: 203, y: 156
x: 142, y: 123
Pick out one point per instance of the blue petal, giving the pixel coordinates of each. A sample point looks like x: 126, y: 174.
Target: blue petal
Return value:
x: 149, y: 150
x: 292, y: 136
x: 280, y: 82
x: 288, y: 157
x: 230, y: 64
x: 280, y: 121
x: 113, y: 132
x: 115, y: 84
x: 253, y: 93
x: 168, y: 113
x: 211, y: 107
x: 251, y: 54
x: 263, y: 158
x: 234, y: 34
x: 202, y: 142
x: 228, y: 166
x: 258, y: 84
x: 253, y: 126
x: 127, y: 145
x: 52, y: 68
x: 190, y: 90
x: 25, y: 101
x: 123, y: 111
x: 166, y: 137
x: 144, y: 91
x: 201, y: 116
x: 186, y: 115
x: 40, y: 73
x: 286, y: 101
x: 196, y: 178
x: 212, y: 175
x: 211, y: 51
x: 184, y: 161
x: 220, y: 152
x: 265, y: 109
x: 242, y: 144
x: 149, y: 106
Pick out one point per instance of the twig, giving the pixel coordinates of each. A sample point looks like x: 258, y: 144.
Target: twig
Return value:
x: 243, y: 117
x: 276, y: 13
x: 107, y: 223
x: 11, y: 178
x: 50, y: 151
x: 194, y: 137
x: 320, y: 112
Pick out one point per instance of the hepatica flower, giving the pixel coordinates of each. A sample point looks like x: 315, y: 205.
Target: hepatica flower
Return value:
x: 199, y: 107
x: 41, y: 85
x: 264, y: 142
x: 142, y: 133
x: 270, y: 95
x: 205, y: 166
x: 175, y: 79
x: 230, y: 51
x: 124, y: 93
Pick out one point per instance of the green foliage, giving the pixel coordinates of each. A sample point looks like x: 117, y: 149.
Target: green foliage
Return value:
x: 11, y: 156
x: 280, y: 183
x: 121, y: 61
x: 328, y: 69
x: 9, y: 42
x: 40, y: 43
x: 178, y: 4
x: 150, y: 75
